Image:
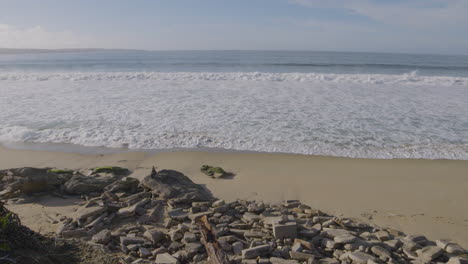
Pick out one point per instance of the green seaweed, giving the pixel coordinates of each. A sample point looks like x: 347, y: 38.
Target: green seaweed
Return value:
x: 60, y: 171
x: 5, y: 221
x: 110, y: 169
x: 211, y: 171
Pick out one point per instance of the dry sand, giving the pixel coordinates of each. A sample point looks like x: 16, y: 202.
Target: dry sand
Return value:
x: 427, y: 197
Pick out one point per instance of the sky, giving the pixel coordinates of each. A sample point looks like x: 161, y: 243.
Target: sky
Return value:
x: 409, y: 26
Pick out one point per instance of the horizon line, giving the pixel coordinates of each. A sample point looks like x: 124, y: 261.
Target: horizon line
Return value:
x: 19, y: 51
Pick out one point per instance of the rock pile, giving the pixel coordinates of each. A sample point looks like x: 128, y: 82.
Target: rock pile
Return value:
x: 158, y: 221
x: 26, y: 181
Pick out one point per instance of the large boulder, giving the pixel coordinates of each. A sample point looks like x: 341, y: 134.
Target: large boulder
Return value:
x: 170, y: 184
x: 29, y: 180
x: 80, y: 184
x: 126, y: 184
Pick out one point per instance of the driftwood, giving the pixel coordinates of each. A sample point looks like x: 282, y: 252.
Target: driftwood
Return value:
x: 215, y: 253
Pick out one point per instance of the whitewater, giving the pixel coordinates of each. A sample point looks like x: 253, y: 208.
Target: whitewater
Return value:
x: 339, y: 114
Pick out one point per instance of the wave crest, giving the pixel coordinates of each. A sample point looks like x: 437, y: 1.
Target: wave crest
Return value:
x: 408, y: 78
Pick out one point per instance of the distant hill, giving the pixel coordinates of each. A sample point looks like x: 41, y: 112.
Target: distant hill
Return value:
x: 37, y: 51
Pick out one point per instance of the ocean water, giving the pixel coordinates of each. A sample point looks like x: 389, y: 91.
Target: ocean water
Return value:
x: 324, y: 103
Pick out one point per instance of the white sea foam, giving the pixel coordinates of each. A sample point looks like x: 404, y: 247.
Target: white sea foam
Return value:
x: 355, y: 115
x: 409, y: 78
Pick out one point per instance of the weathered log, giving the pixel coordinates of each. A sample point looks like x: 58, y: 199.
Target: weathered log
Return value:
x: 215, y: 253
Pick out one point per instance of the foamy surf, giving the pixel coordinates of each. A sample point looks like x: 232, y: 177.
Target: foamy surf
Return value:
x: 408, y: 78
x: 351, y: 115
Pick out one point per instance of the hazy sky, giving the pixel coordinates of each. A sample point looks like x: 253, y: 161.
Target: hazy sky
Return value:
x: 426, y: 26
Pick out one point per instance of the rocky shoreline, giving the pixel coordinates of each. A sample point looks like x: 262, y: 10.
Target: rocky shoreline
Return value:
x: 162, y: 220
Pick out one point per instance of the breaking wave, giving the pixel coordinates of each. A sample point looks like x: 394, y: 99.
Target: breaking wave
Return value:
x: 353, y: 115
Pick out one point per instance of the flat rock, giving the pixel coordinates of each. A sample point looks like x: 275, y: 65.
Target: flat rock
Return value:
x: 382, y: 235
x: 144, y: 252
x: 131, y: 240
x: 450, y: 247
x: 300, y: 255
x: 166, y: 258
x: 251, y: 217
x: 237, y: 248
x: 457, y: 260
x: 286, y: 230
x: 103, y: 237
x: 332, y: 233
x: 178, y: 214
x: 254, y: 252
x: 76, y: 233
x: 360, y: 257
x: 344, y: 239
x: 275, y: 260
x: 193, y: 247
x: 308, y: 233
x: 154, y: 235
x: 381, y: 252
x: 189, y: 237
x: 80, y: 184
x: 92, y: 211
x: 430, y: 253
x: 326, y: 261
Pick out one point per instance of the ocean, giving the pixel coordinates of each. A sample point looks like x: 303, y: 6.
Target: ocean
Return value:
x: 365, y: 105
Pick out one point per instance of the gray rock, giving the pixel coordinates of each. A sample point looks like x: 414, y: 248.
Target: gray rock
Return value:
x: 178, y: 214
x: 457, y: 260
x: 80, y: 184
x: 450, y: 247
x: 237, y: 247
x: 103, y: 237
x: 300, y: 255
x: 393, y: 244
x: 360, y: 257
x: 328, y: 243
x: 193, y: 247
x: 166, y: 258
x: 218, y: 203
x: 249, y: 217
x: 332, y: 233
x: 381, y: 252
x: 89, y: 212
x: 321, y: 219
x: 429, y: 253
x: 286, y: 230
x: 170, y: 184
x: 254, y: 252
x: 382, y: 235
x: 221, y: 209
x: 126, y: 185
x: 309, y: 233
x: 154, y: 235
x: 326, y: 261
x: 176, y: 235
x: 144, y: 252
x: 133, y: 247
x: 189, y: 238
x: 77, y: 233
x: 418, y: 239
x: 29, y: 180
x: 131, y: 240
x: 344, y: 239
x: 275, y: 260
x: 160, y: 250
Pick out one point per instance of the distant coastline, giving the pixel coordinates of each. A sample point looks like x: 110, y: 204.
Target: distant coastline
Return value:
x: 40, y: 51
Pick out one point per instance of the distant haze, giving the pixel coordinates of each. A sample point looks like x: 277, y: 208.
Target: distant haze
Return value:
x: 403, y: 26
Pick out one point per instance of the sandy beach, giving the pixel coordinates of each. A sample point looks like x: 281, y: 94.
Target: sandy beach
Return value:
x: 415, y: 196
